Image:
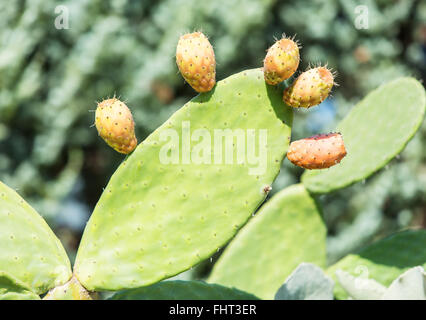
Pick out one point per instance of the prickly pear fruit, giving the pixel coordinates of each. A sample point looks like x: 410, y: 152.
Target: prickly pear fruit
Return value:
x: 115, y: 125
x: 281, y: 61
x: 317, y: 152
x: 311, y: 88
x: 196, y: 61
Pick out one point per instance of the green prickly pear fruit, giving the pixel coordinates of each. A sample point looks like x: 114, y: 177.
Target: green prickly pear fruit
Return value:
x: 115, y: 125
x: 196, y: 61
x: 281, y: 61
x: 317, y: 152
x: 311, y: 88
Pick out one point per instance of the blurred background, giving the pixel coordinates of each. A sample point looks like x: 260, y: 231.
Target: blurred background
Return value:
x: 57, y: 58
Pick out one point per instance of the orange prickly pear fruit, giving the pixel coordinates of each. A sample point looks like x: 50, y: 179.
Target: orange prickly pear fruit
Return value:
x: 317, y: 152
x: 115, y: 125
x: 281, y: 61
x: 196, y: 61
x: 311, y: 88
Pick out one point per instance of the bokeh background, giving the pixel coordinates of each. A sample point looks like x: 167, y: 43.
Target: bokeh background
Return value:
x: 50, y: 80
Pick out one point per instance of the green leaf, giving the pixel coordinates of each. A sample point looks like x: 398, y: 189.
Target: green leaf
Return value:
x: 307, y: 282
x: 384, y: 260
x: 287, y: 231
x: 155, y: 220
x: 183, y: 290
x: 374, y: 132
x: 30, y: 251
x: 13, y: 289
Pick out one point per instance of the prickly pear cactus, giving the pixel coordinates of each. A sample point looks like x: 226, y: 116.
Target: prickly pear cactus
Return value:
x: 287, y: 231
x: 183, y: 290
x: 30, y: 253
x: 169, y: 206
x: 375, y: 131
x: 384, y: 260
x: 72, y: 290
x: 13, y: 289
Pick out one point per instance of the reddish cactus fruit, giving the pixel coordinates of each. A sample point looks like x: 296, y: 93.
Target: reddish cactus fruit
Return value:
x: 310, y: 88
x: 196, y: 61
x: 281, y: 61
x: 115, y: 125
x: 317, y: 152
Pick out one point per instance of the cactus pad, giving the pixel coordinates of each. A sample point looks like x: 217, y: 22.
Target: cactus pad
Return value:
x: 384, y: 260
x: 30, y: 252
x: 183, y: 290
x: 375, y: 131
x: 13, y: 289
x: 157, y: 218
x: 286, y: 231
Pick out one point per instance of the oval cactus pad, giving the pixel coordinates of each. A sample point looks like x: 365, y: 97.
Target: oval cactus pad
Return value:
x: 286, y: 231
x: 30, y: 251
x: 187, y: 189
x: 375, y: 131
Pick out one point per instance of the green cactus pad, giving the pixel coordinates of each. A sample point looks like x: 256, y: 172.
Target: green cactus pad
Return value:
x: 13, y: 289
x: 384, y: 260
x: 375, y: 131
x: 287, y: 231
x: 183, y: 290
x: 155, y: 220
x: 30, y: 251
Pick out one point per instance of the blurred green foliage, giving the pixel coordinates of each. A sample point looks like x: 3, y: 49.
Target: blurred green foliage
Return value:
x: 50, y: 80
